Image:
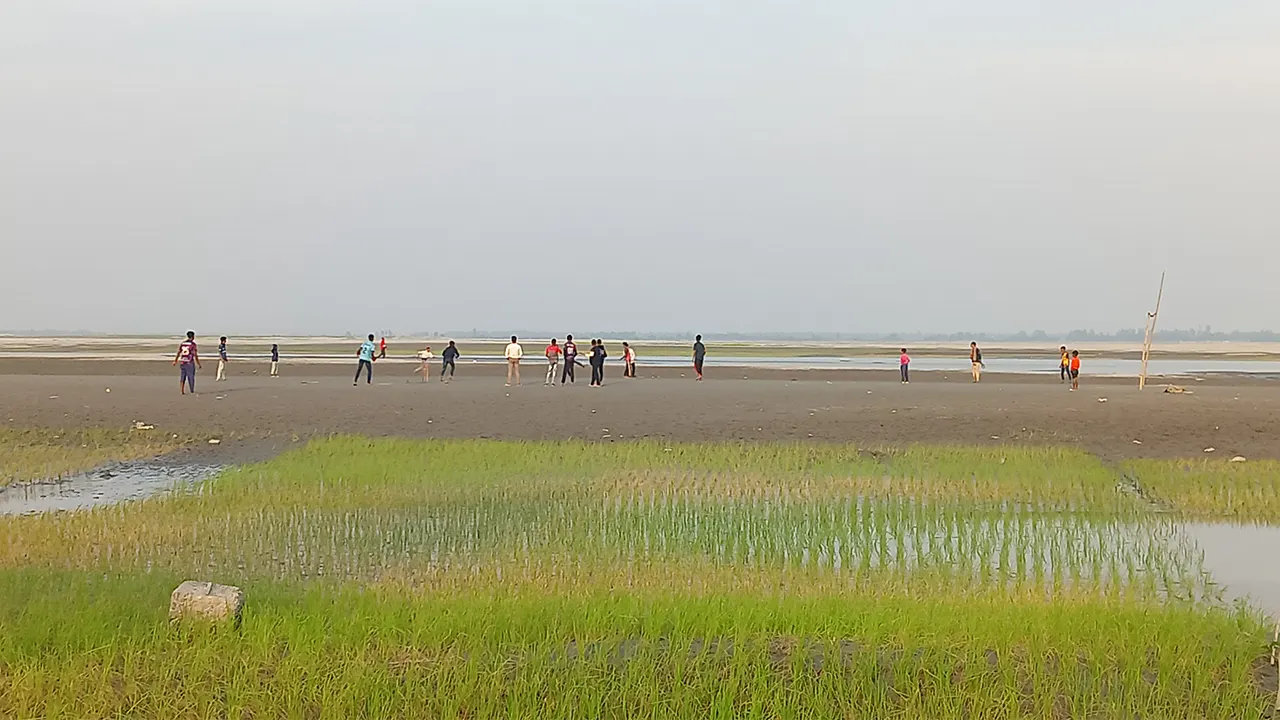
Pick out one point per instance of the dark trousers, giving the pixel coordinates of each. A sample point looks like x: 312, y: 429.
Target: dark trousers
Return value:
x: 1065, y: 373
x: 367, y: 367
x: 597, y: 373
x: 630, y: 371
x: 567, y: 372
x: 697, y: 366
x: 906, y: 375
x: 447, y: 368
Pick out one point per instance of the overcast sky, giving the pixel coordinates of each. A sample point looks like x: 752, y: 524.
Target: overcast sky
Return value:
x: 307, y: 166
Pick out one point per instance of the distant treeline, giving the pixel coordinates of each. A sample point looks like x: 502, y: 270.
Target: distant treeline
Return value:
x: 1205, y: 334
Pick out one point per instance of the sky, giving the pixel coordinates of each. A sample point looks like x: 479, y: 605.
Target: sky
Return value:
x: 315, y: 166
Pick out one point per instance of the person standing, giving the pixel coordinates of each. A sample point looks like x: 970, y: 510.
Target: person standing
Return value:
x: 187, y: 360
x: 275, y: 360
x: 450, y: 356
x: 628, y: 360
x: 603, y: 355
x: 367, y: 352
x: 699, y: 355
x: 904, y: 365
x: 591, y: 359
x: 975, y: 361
x: 553, y: 362
x: 570, y: 359
x: 382, y: 347
x: 1075, y: 370
x: 425, y: 356
x: 1064, y: 364
x: 222, y: 360
x: 514, y: 353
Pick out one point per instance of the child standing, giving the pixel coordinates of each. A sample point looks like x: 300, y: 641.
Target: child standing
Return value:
x: 1075, y: 370
x: 1064, y: 364
x: 904, y: 364
x: 188, y: 359
x: 222, y: 359
x: 275, y: 360
x: 975, y: 361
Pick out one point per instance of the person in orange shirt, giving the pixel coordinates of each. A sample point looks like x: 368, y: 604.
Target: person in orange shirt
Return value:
x: 553, y: 353
x: 1075, y: 370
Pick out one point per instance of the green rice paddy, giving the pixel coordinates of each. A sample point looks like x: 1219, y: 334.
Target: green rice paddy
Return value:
x: 395, y: 578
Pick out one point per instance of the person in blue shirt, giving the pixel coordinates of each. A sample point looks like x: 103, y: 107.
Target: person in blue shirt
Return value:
x: 366, y: 353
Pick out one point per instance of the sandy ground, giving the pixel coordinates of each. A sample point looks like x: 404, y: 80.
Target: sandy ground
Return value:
x: 868, y: 408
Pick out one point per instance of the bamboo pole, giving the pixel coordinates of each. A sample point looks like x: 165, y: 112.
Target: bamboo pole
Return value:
x: 1150, y: 335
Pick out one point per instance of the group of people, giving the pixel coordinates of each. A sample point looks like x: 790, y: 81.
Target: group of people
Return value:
x: 562, y: 361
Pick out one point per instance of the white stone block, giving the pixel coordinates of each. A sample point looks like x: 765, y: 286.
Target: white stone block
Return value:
x: 206, y: 601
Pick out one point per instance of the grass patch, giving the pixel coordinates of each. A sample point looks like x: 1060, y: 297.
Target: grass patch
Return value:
x: 1213, y: 489
x: 396, y: 578
x: 29, y: 455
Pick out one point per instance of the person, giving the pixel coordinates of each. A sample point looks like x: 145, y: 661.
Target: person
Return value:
x: 598, y: 355
x: 187, y: 360
x: 570, y: 359
x: 425, y: 356
x: 1064, y: 364
x: 628, y: 360
x: 222, y: 360
x: 699, y: 355
x: 275, y: 360
x: 514, y: 353
x: 1075, y: 370
x: 450, y: 356
x: 382, y: 347
x: 553, y: 362
x: 591, y: 359
x: 366, y: 353
x: 904, y: 364
x: 975, y: 361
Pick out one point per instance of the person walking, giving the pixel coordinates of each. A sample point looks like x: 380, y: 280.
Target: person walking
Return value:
x: 382, y: 347
x: 628, y: 360
x: 570, y: 359
x: 275, y: 360
x: 699, y: 355
x: 975, y: 361
x: 514, y: 353
x: 187, y: 360
x: 425, y: 356
x: 552, y: 352
x: 367, y: 352
x: 904, y: 366
x: 450, y: 356
x: 222, y: 360
x: 1064, y: 364
x: 1075, y: 370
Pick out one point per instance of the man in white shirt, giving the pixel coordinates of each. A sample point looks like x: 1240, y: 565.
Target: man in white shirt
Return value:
x: 514, y: 353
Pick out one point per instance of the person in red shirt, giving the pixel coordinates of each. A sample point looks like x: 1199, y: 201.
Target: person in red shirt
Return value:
x: 382, y: 348
x: 553, y: 362
x: 1075, y: 370
x: 628, y: 361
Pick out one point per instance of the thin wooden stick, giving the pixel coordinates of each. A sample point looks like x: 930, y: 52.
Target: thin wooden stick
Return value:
x: 1150, y: 335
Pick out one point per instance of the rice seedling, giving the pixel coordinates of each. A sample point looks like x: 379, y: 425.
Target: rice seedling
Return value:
x: 494, y: 579
x: 1212, y: 489
x: 31, y: 455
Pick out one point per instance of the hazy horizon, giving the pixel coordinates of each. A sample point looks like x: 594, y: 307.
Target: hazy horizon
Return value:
x: 318, y: 167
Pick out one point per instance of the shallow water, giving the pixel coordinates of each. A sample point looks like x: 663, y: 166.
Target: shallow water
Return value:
x: 1244, y: 560
x: 103, y: 486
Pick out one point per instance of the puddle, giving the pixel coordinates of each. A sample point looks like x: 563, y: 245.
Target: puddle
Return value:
x: 1242, y: 559
x: 104, y: 486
